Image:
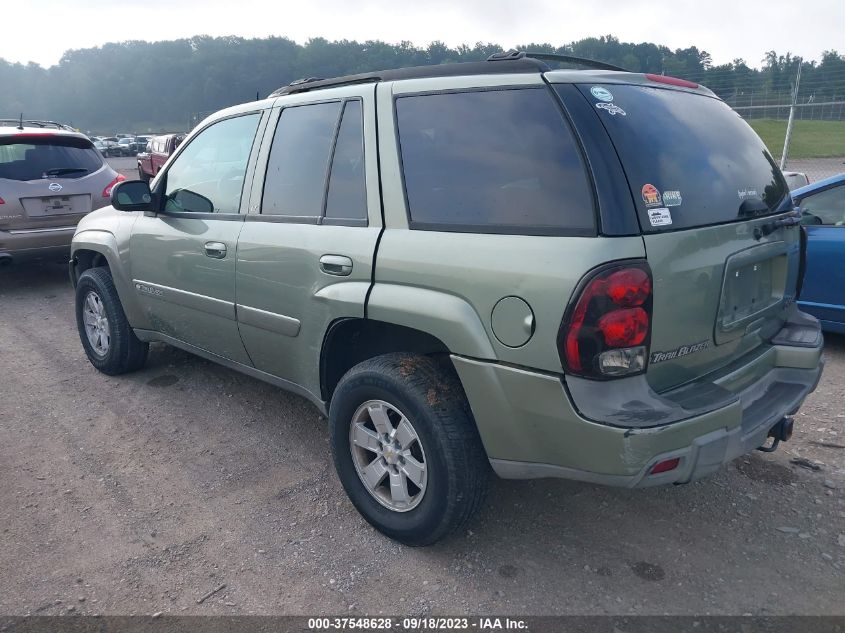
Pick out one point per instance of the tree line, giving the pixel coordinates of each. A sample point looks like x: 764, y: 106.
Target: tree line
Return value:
x: 139, y: 86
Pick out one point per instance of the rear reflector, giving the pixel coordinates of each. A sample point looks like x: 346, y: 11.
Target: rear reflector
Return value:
x: 665, y: 466
x: 672, y: 81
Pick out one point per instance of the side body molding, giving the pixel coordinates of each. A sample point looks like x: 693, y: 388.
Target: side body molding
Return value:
x: 445, y: 316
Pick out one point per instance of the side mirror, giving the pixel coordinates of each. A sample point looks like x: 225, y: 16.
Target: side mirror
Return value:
x: 132, y: 195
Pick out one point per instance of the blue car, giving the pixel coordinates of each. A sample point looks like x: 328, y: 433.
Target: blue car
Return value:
x: 822, y: 207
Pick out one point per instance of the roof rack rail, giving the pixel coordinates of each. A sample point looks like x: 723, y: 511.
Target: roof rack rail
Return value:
x: 509, y: 62
x: 553, y: 57
x: 37, y: 123
x: 314, y: 83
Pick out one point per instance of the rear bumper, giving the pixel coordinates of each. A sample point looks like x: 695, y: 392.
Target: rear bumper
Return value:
x: 46, y: 242
x: 531, y: 428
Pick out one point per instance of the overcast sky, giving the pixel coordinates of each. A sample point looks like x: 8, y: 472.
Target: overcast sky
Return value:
x: 725, y: 28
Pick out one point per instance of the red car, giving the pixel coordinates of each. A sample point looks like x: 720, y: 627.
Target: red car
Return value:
x: 158, y: 151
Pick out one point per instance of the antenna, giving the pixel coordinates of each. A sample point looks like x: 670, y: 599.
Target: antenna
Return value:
x: 20, y: 124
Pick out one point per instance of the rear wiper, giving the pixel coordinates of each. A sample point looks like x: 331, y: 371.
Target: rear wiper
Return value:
x: 793, y: 219
x: 61, y: 171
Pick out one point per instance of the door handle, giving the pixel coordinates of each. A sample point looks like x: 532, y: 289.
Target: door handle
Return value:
x: 217, y: 250
x: 338, y: 265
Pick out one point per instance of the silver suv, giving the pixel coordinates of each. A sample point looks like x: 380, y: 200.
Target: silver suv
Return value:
x: 581, y: 274
x: 50, y: 177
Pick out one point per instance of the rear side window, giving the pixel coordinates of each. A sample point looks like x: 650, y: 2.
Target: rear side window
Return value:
x: 496, y: 161
x: 690, y: 160
x: 33, y: 158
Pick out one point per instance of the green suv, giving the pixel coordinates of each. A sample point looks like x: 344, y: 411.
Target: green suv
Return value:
x: 587, y: 274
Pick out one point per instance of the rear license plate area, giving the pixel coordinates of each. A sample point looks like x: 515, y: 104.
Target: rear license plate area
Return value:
x: 748, y: 290
x: 56, y: 206
x: 752, y: 290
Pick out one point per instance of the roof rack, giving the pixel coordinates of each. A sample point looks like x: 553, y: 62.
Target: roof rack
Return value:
x: 37, y: 123
x: 506, y: 62
x: 554, y: 57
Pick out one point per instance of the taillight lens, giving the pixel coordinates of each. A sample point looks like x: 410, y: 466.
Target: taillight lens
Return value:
x: 2, y: 201
x: 672, y: 81
x: 606, y: 333
x: 110, y: 186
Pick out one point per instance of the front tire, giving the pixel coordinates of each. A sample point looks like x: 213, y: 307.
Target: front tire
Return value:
x: 106, y: 335
x: 406, y: 448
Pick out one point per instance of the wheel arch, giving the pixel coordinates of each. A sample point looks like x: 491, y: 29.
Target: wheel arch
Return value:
x: 350, y: 341
x: 97, y: 248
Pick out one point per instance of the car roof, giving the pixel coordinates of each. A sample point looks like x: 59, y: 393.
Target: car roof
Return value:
x: 820, y: 184
x: 512, y: 62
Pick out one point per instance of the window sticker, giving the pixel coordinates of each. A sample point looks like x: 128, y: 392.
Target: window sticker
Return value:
x: 602, y: 94
x: 672, y: 198
x: 651, y: 196
x: 660, y: 217
x: 611, y: 107
x: 744, y: 194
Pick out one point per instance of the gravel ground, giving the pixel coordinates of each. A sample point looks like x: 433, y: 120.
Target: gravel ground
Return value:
x: 143, y: 493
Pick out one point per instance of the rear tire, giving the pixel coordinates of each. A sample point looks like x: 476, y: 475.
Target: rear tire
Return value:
x: 106, y: 335
x: 416, y: 506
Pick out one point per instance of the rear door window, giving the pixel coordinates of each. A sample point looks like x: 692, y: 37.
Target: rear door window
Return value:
x: 690, y: 160
x: 346, y: 198
x: 496, y: 161
x: 294, y: 185
x: 51, y: 157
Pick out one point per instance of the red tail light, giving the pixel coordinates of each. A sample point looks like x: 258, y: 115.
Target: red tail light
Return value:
x: 606, y: 333
x: 2, y: 201
x: 110, y: 186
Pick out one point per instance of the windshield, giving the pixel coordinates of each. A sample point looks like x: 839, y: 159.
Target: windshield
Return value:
x: 35, y: 158
x: 690, y: 160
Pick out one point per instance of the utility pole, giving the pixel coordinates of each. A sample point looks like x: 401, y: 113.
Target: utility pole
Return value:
x: 785, y: 155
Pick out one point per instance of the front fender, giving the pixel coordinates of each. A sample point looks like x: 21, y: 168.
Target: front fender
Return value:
x: 444, y: 316
x: 105, y: 243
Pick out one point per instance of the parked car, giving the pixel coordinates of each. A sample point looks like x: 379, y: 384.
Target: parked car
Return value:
x: 139, y: 144
x: 822, y: 207
x: 126, y: 145
x: 795, y: 179
x: 547, y: 272
x: 159, y: 150
x: 108, y: 147
x: 49, y: 179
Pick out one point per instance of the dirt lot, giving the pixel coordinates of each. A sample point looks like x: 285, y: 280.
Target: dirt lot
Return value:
x: 143, y: 493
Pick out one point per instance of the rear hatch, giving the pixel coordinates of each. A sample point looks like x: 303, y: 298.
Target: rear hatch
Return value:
x: 710, y: 200
x: 49, y: 180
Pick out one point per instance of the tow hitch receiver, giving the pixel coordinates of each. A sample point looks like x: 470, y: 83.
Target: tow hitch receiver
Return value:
x: 781, y: 431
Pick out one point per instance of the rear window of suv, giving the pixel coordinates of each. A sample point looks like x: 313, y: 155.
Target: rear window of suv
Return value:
x: 35, y: 157
x: 494, y: 161
x: 690, y: 160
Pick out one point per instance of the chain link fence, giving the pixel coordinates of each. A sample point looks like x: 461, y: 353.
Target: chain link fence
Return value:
x: 803, y: 128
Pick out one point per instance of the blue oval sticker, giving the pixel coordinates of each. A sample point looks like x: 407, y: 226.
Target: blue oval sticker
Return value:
x: 602, y: 94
